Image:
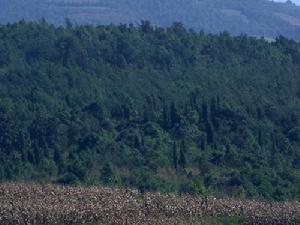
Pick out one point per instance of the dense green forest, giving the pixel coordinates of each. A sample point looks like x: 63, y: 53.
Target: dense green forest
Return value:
x: 154, y: 108
x: 252, y: 17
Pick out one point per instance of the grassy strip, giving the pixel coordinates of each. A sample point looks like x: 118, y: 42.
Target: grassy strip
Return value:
x: 225, y: 221
x: 207, y: 220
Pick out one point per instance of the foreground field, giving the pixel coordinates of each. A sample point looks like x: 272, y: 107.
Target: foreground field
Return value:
x: 24, y: 204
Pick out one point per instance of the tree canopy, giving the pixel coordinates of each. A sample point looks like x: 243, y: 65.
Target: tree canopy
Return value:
x: 155, y: 108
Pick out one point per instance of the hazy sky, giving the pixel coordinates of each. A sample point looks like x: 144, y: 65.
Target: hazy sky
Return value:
x: 295, y: 1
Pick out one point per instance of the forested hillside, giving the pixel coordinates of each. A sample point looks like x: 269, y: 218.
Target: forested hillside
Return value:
x: 255, y: 18
x: 154, y: 108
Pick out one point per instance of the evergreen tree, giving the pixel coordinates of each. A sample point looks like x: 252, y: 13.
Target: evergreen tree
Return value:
x: 174, y: 115
x: 209, y: 133
x: 175, y: 158
x: 204, y: 111
x: 126, y: 112
x: 166, y: 117
x: 182, y: 157
x: 147, y: 116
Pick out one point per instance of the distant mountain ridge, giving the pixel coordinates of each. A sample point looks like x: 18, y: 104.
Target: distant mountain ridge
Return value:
x: 255, y: 18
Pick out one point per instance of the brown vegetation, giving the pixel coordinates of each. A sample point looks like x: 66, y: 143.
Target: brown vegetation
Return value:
x: 24, y: 204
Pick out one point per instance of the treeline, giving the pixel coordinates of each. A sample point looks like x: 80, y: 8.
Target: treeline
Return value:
x: 155, y: 108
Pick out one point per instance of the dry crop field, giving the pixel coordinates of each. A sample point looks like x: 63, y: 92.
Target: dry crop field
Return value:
x: 30, y: 204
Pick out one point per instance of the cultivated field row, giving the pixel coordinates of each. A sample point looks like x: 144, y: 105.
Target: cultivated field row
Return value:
x: 28, y: 204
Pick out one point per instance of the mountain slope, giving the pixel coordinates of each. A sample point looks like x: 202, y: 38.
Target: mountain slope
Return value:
x: 256, y: 18
x: 158, y: 109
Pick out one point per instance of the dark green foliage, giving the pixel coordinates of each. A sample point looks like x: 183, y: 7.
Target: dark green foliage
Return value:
x: 225, y: 221
x: 108, y: 175
x: 174, y: 116
x: 175, y: 157
x: 158, y: 109
x: 182, y: 156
